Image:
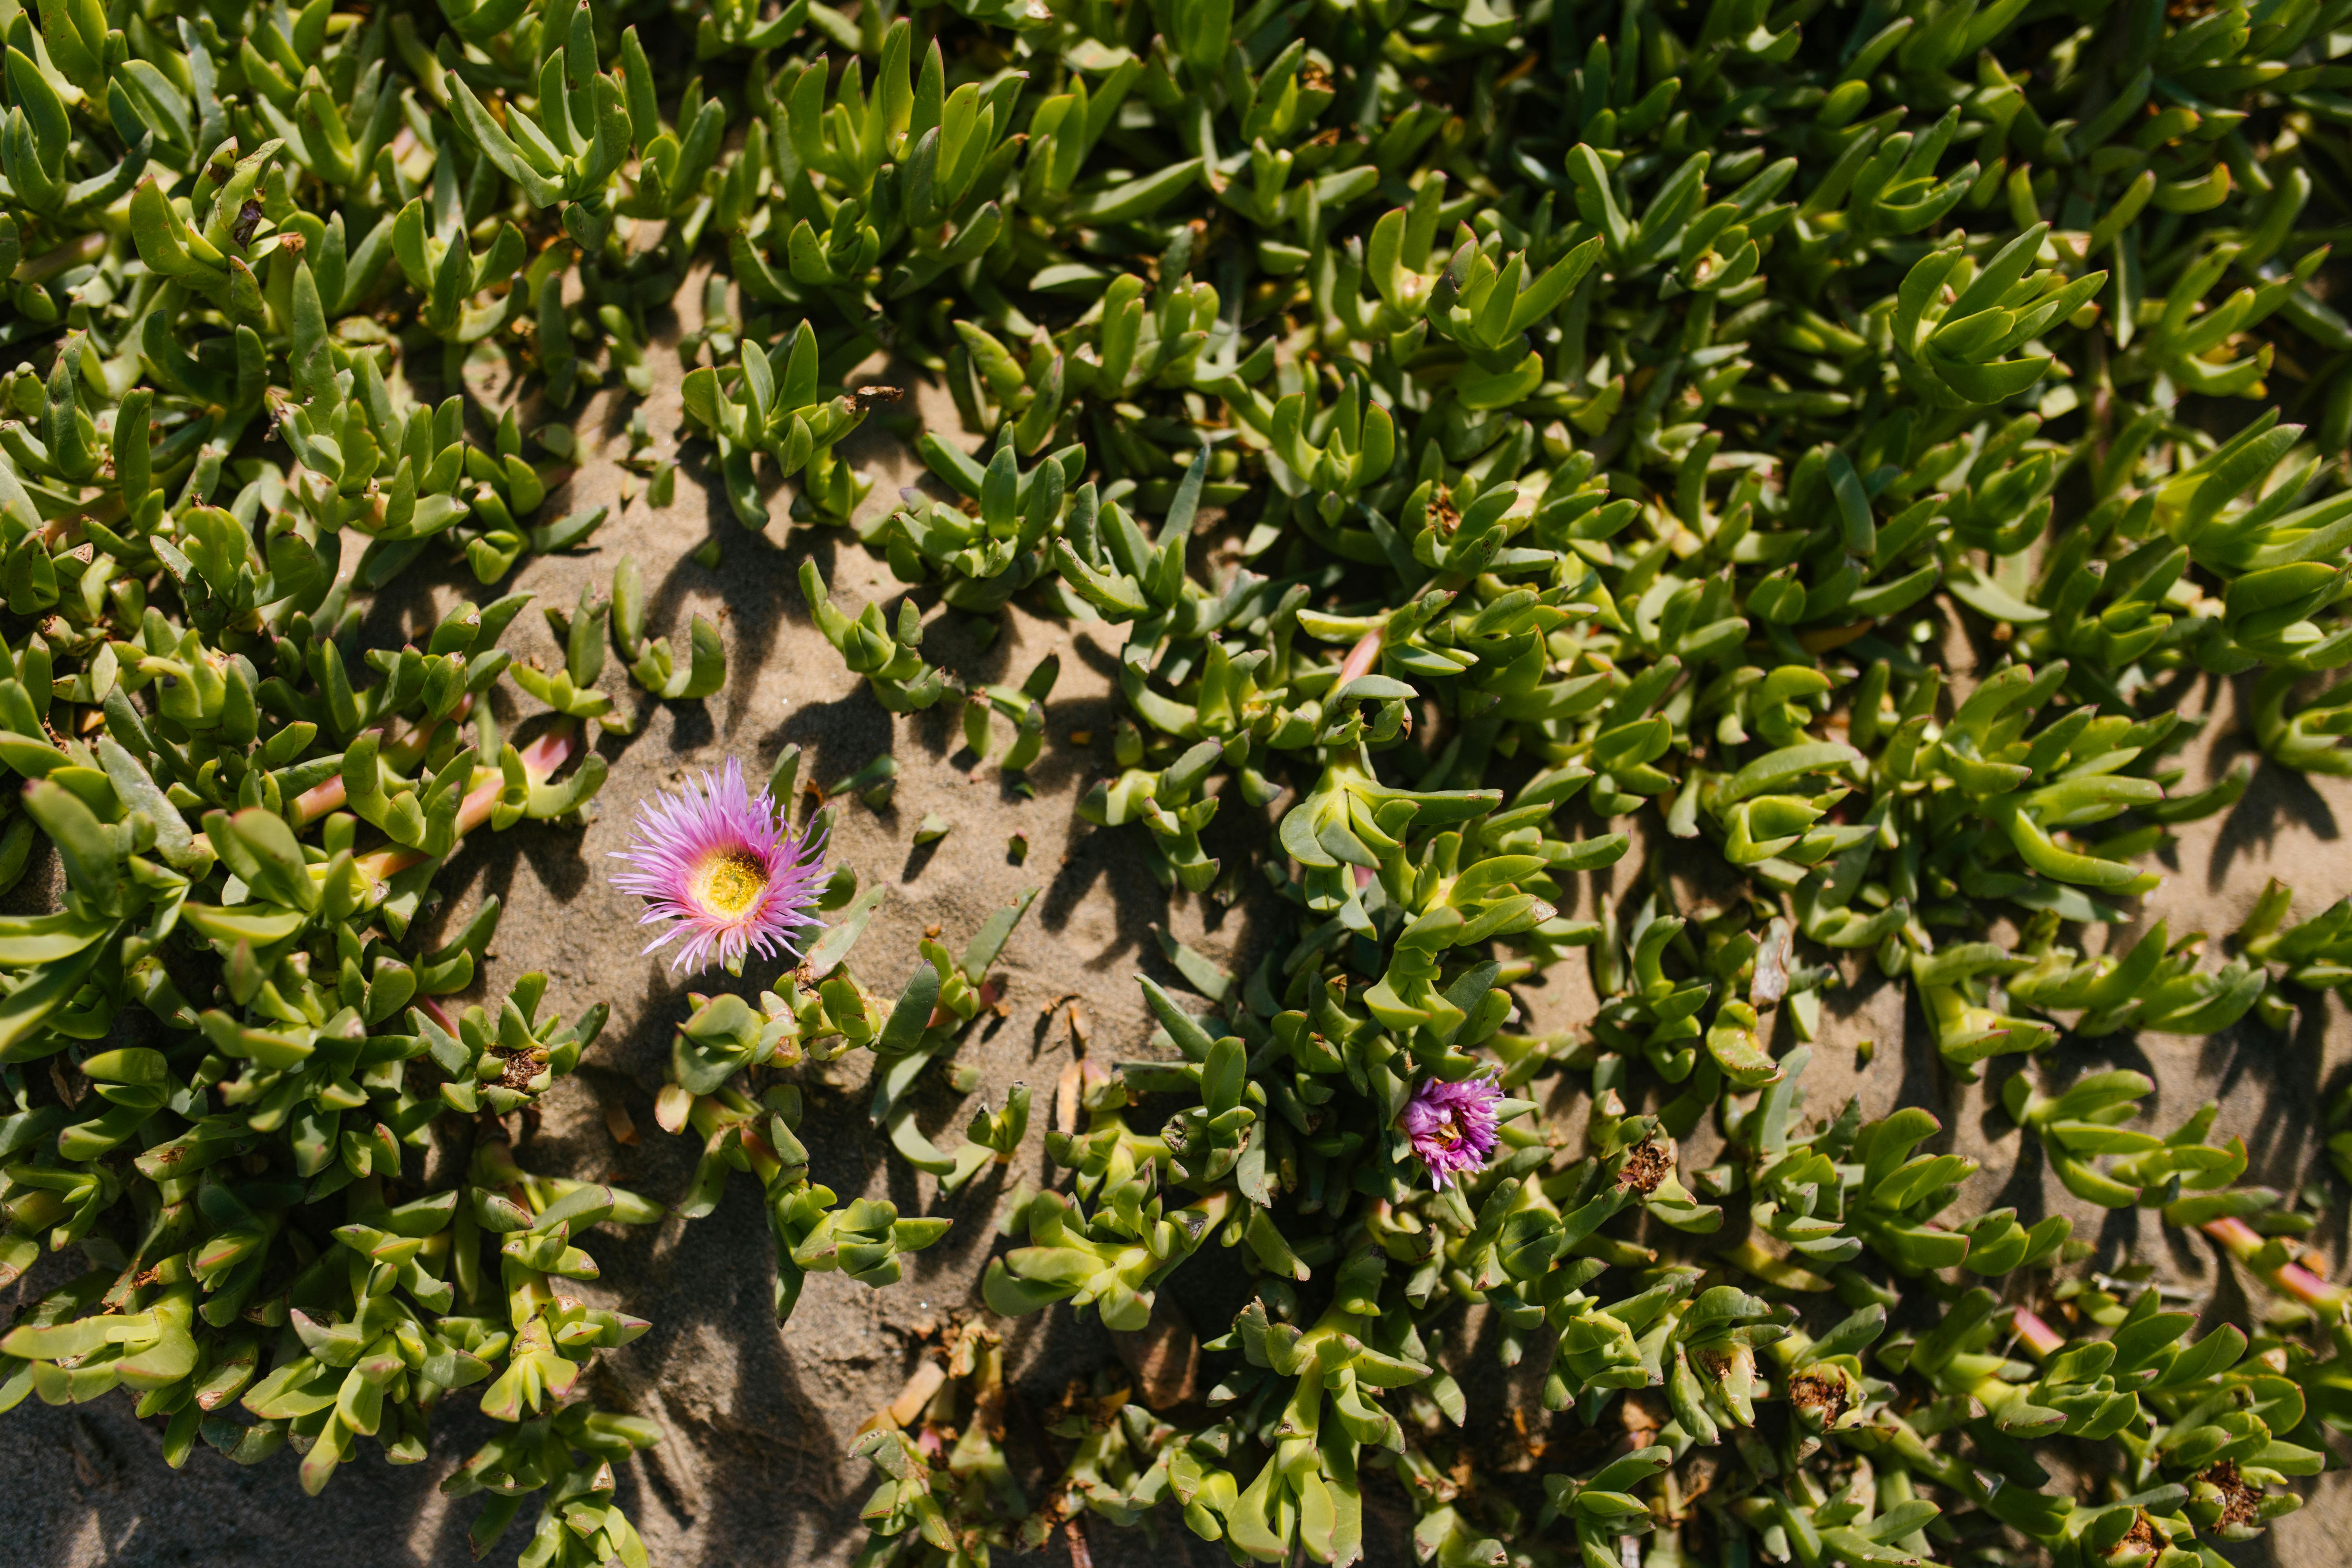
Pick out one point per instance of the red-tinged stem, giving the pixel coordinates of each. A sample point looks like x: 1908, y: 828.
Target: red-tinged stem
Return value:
x: 319, y: 800
x: 2236, y: 1235
x: 541, y: 759
x: 2309, y: 1288
x: 2289, y: 1279
x: 1360, y: 657
x: 765, y: 1161
x: 434, y: 1011
x: 2037, y: 1336
x: 405, y: 753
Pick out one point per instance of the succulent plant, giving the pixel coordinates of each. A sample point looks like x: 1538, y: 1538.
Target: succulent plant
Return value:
x: 1489, y: 427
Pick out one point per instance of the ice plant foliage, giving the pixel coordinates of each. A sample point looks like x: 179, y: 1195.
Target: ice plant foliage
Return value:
x: 1501, y: 434
x: 1451, y: 1125
x: 718, y: 866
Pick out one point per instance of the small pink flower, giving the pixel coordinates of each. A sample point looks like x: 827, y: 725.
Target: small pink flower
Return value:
x: 1451, y: 1125
x: 716, y: 865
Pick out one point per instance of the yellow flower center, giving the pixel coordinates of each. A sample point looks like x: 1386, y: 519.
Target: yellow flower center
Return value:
x: 731, y: 882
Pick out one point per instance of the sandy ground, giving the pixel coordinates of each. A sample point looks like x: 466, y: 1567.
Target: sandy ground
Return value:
x: 753, y: 1464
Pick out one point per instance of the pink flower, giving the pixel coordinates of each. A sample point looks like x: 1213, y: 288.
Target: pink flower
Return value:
x: 1451, y: 1125
x: 716, y: 865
